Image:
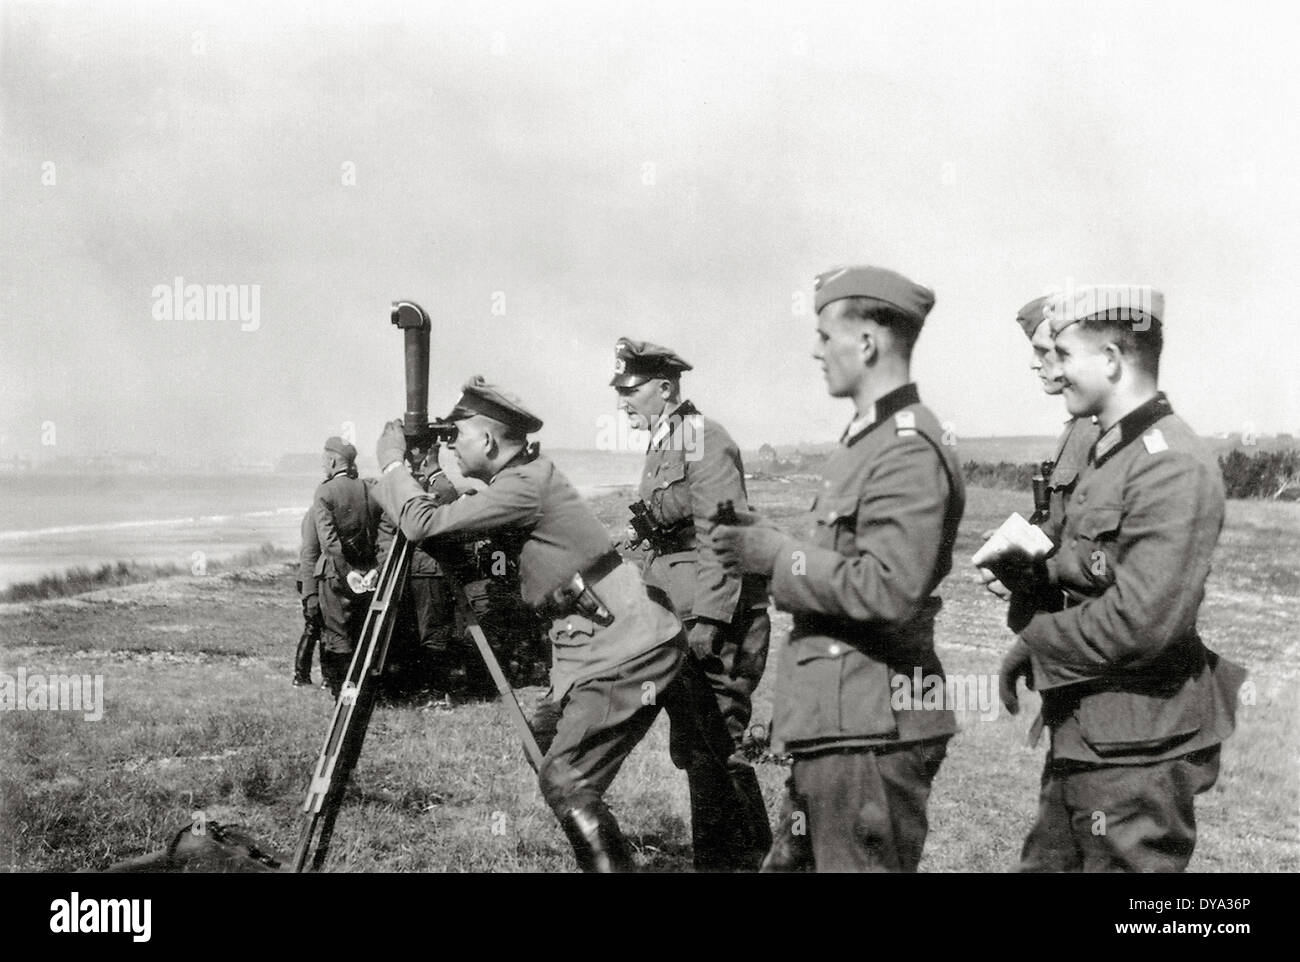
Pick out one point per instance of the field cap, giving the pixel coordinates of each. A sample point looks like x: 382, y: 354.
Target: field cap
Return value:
x: 874, y: 282
x: 1033, y: 314
x: 336, y: 445
x: 1114, y: 302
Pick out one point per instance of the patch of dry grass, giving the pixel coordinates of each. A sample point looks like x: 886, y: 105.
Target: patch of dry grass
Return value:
x: 199, y: 714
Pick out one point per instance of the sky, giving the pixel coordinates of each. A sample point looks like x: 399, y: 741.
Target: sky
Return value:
x: 544, y: 179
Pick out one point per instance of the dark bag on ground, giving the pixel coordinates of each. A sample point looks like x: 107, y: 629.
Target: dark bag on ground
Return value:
x: 214, y: 848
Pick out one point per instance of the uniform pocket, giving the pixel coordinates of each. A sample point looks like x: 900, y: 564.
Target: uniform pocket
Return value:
x: 670, y: 472
x: 670, y: 498
x: 573, y: 631
x: 1100, y: 522
x: 1097, y: 532
x: 844, y: 693
x: 1062, y: 478
x: 1140, y: 723
x: 837, y: 523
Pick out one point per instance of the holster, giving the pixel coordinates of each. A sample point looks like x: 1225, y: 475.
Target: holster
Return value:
x: 576, y: 595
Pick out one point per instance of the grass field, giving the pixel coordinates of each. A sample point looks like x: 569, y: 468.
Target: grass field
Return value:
x: 199, y: 715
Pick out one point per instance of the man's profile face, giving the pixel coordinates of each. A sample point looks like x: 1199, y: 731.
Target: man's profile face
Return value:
x: 839, y: 350
x: 1045, y: 363
x: 643, y: 404
x: 470, y: 446
x: 1088, y: 370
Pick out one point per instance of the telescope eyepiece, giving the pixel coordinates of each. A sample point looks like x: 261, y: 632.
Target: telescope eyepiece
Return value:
x: 408, y: 315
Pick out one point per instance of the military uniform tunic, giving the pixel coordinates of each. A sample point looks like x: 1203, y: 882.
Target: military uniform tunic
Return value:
x: 692, y: 465
x: 608, y: 681
x: 559, y: 537
x: 1127, y: 684
x: 862, y: 591
x: 1071, y: 458
x: 347, y: 523
x: 866, y: 741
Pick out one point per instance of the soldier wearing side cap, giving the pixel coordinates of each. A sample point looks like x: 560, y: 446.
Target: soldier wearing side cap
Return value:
x: 308, y: 555
x: 618, y: 656
x: 1053, y: 482
x: 866, y: 743
x: 692, y: 465
x: 347, y: 523
x: 1136, y: 703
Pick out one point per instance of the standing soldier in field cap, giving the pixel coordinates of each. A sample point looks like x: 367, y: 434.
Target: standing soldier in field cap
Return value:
x: 308, y: 555
x: 1054, y: 480
x: 866, y: 746
x: 347, y: 523
x: 692, y: 465
x: 617, y: 655
x: 1136, y: 704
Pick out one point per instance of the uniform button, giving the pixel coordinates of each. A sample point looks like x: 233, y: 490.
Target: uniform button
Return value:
x: 569, y: 627
x: 826, y: 484
x: 830, y: 515
x: 834, y: 650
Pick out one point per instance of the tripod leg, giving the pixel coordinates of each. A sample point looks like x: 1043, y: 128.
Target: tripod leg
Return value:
x: 352, y: 710
x: 508, y: 699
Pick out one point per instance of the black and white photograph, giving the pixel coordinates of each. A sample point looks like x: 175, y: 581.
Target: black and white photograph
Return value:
x: 660, y: 438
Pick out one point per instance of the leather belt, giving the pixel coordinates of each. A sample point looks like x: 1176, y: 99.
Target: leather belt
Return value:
x: 602, y: 566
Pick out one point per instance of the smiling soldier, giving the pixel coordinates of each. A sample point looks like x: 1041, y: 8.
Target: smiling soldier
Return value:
x: 1136, y: 704
x: 1053, y: 485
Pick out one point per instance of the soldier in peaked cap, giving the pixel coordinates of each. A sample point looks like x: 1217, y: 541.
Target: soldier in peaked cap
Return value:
x: 692, y: 465
x: 617, y: 655
x: 1136, y: 704
x: 861, y: 586
x: 347, y: 522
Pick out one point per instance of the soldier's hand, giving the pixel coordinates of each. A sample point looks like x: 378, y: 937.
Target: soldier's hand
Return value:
x: 356, y: 582
x: 392, y: 444
x: 441, y: 488
x: 1017, y: 575
x: 1015, y: 665
x: 745, y: 519
x: 992, y: 583
x: 746, y: 550
x: 701, y: 636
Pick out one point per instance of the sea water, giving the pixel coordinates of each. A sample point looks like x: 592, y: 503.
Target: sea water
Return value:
x: 52, y: 522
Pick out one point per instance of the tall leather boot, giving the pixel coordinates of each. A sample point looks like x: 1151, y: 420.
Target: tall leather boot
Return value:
x: 597, y: 842
x: 751, y: 818
x: 791, y: 847
x: 302, y: 657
